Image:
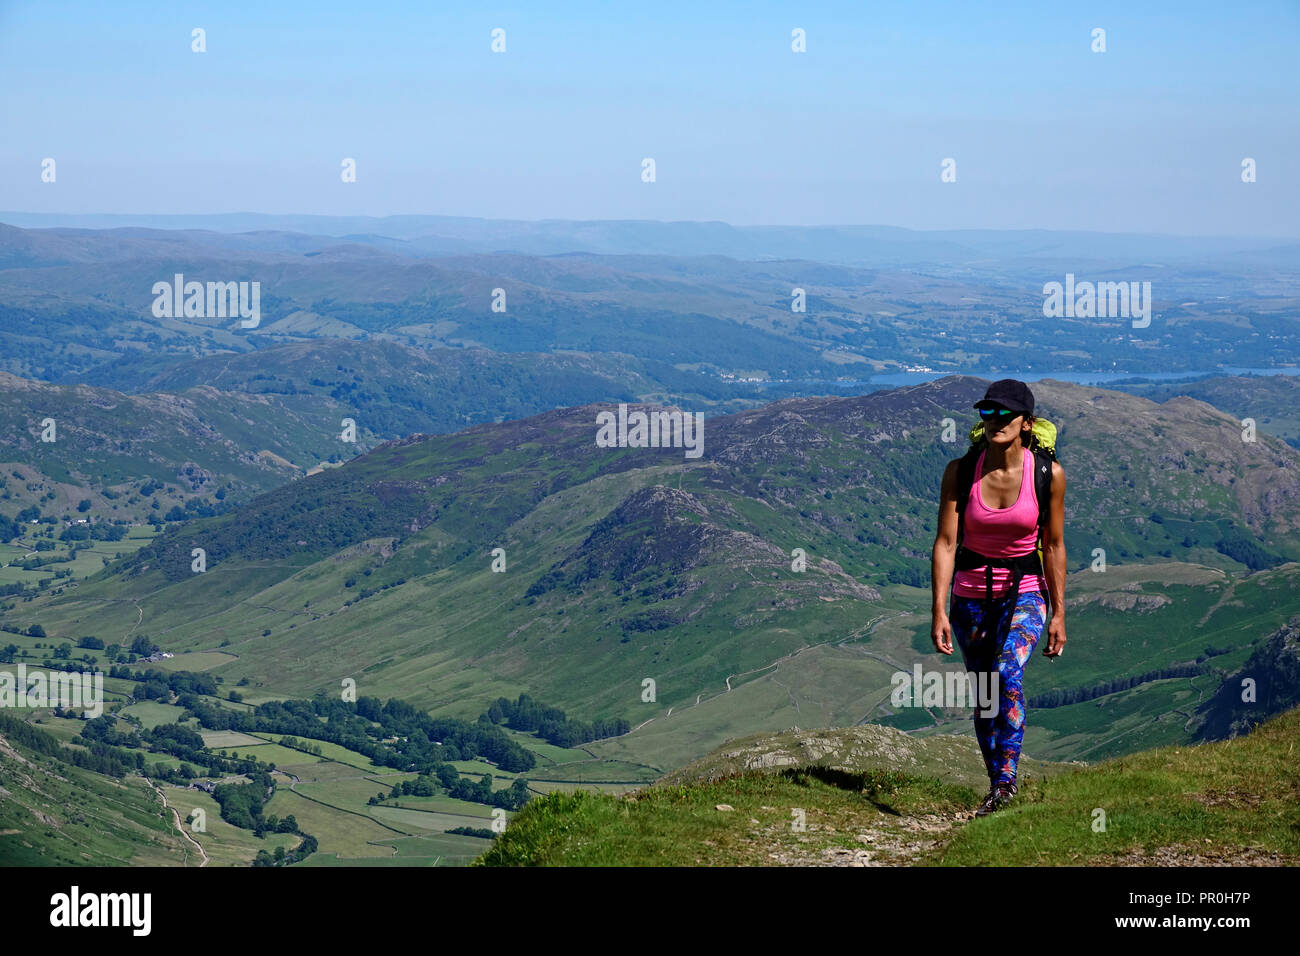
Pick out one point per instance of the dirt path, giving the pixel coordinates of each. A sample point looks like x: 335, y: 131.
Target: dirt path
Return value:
x: 1223, y: 599
x: 887, y: 841
x: 179, y: 824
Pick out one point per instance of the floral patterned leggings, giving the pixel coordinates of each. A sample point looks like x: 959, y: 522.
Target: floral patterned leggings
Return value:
x: 1002, y: 649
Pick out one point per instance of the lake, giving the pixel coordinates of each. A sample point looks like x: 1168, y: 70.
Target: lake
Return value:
x: 1081, y: 378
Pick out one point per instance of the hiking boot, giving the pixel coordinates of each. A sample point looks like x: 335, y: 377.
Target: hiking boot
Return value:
x: 1004, y: 794
x: 998, y: 797
x: 986, y: 806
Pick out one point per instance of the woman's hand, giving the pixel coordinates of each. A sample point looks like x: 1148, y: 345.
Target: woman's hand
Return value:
x: 1055, y: 636
x: 941, y: 633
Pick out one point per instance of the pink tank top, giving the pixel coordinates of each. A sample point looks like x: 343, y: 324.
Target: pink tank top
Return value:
x: 1000, y: 533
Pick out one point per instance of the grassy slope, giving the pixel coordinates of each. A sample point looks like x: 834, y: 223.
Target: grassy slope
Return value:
x: 1224, y: 803
x: 56, y: 814
x: 1234, y: 802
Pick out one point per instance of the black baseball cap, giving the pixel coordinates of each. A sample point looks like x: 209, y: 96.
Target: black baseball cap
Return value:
x: 1009, y: 393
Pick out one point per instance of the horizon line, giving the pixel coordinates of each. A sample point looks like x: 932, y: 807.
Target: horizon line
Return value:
x: 663, y: 222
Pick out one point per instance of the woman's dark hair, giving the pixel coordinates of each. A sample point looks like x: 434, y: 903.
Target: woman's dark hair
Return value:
x: 1027, y: 439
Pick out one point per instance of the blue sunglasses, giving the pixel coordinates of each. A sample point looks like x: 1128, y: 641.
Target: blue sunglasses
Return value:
x: 997, y: 414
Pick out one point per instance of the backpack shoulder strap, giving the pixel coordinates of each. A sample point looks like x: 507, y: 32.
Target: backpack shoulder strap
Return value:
x: 1043, y: 459
x: 1043, y: 486
x: 965, y: 479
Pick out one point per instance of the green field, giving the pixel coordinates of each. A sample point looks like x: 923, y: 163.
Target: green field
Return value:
x: 439, y: 849
x: 426, y: 820
x: 226, y: 845
x: 216, y: 739
x: 350, y: 835
x: 65, y: 728
x: 92, y: 556
x: 195, y: 661
x: 270, y: 753
x: 151, y: 713
x: 332, y: 751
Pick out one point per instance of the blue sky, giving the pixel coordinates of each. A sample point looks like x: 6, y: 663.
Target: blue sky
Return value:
x: 1146, y: 137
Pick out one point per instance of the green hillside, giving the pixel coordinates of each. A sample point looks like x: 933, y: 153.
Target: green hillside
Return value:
x: 124, y: 452
x: 629, y: 564
x: 55, y: 814
x: 1235, y: 803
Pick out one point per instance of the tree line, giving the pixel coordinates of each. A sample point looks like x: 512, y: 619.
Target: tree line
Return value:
x: 393, y: 734
x: 551, y: 724
x: 98, y: 757
x: 1077, y: 695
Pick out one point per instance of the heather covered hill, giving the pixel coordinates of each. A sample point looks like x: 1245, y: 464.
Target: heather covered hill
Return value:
x: 1271, y: 401
x: 1182, y: 460
x: 200, y: 444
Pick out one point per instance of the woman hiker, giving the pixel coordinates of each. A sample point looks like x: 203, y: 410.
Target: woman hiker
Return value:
x: 999, y: 594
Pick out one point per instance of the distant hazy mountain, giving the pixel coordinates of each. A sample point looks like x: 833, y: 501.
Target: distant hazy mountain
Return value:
x: 73, y: 301
x: 847, y: 244
x: 397, y: 390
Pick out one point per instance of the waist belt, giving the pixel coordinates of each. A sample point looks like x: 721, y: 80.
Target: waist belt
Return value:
x: 968, y: 560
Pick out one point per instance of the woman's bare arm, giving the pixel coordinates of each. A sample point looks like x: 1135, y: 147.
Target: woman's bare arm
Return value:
x: 942, y: 560
x: 1054, y: 561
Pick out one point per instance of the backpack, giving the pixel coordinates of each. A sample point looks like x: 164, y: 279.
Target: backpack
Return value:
x: 1042, y: 443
